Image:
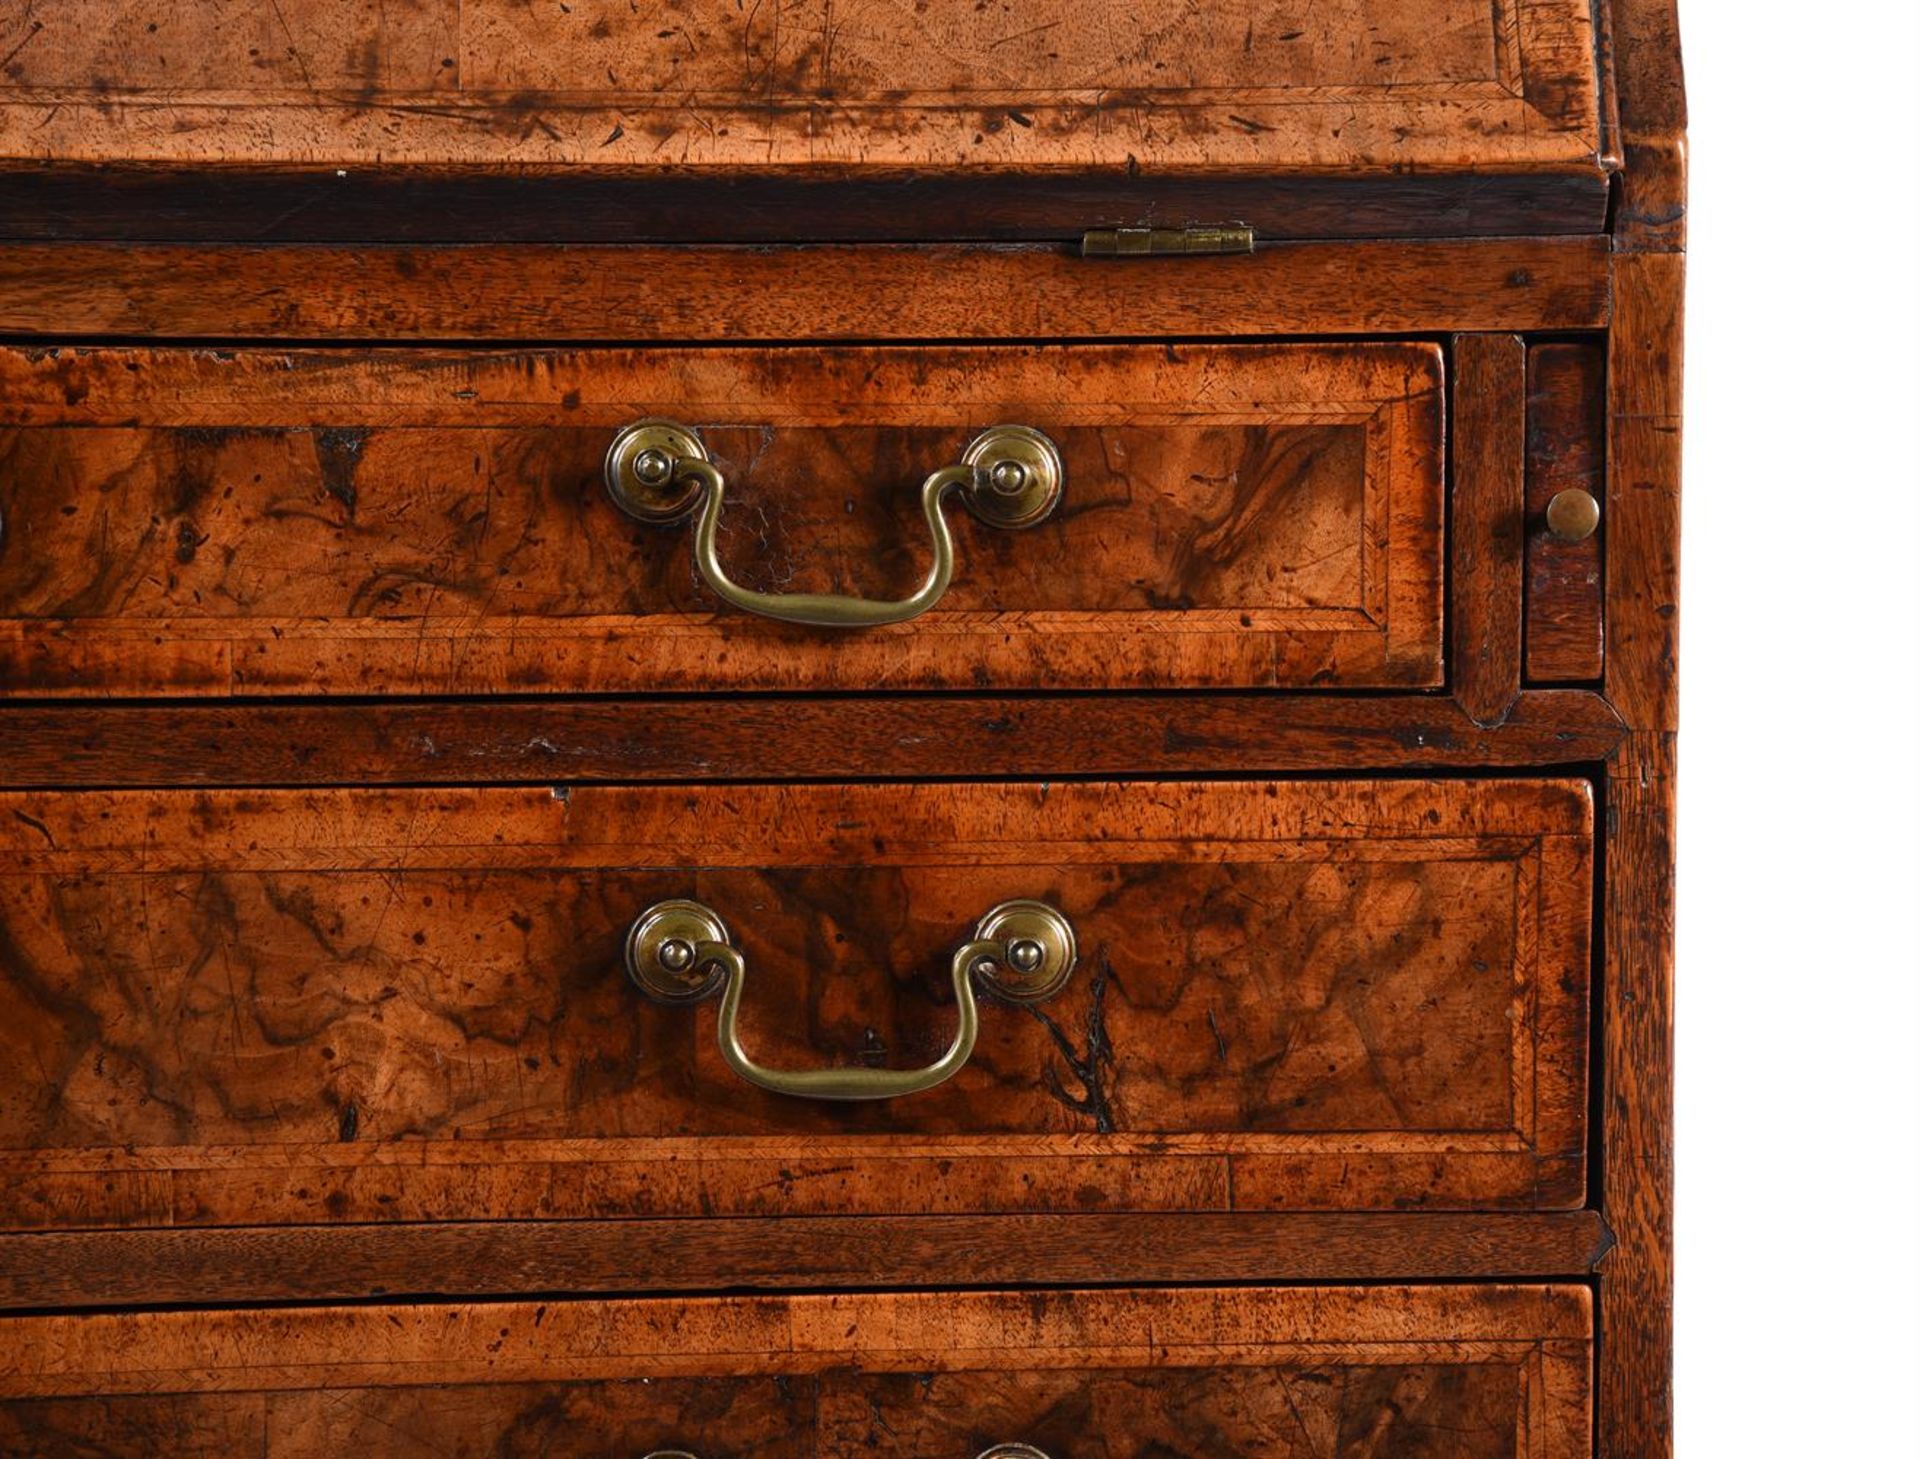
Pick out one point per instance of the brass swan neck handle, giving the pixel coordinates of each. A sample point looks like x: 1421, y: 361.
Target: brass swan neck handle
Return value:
x: 681, y: 952
x: 658, y: 471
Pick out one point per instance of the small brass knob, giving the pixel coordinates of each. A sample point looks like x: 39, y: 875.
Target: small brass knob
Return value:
x: 1573, y: 515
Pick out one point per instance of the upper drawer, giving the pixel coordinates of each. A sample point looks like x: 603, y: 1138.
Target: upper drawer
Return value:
x: 240, y: 1007
x: 194, y: 522
x: 574, y: 119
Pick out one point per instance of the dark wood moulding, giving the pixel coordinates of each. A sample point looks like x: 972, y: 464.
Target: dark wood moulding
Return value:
x: 507, y: 1258
x: 193, y: 204
x: 733, y: 293
x: 778, y: 738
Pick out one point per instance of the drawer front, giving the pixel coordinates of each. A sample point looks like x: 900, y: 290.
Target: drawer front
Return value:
x: 294, y: 1006
x: 191, y: 522
x: 1418, y: 1373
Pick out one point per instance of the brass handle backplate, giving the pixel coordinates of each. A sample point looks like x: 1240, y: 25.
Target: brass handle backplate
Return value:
x: 681, y: 952
x: 1009, y: 477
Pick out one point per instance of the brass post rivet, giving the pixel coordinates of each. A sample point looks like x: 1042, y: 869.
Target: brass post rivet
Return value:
x: 676, y: 955
x: 653, y: 468
x: 1009, y: 477
x: 1024, y: 955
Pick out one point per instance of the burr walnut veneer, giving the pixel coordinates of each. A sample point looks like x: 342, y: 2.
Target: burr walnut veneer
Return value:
x: 1234, y: 516
x: 838, y: 729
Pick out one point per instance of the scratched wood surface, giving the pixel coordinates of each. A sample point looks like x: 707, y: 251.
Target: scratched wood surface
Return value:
x: 1118, y: 104
x: 1436, y: 1372
x: 206, y: 522
x: 286, y: 1006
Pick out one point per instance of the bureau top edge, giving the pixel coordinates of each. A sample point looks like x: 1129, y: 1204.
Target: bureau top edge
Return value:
x: 594, y: 121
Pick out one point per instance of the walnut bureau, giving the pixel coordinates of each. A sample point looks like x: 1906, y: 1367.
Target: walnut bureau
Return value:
x: 820, y: 730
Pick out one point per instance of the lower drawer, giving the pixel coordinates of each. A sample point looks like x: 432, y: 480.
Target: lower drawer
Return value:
x: 286, y: 1007
x: 1413, y: 1372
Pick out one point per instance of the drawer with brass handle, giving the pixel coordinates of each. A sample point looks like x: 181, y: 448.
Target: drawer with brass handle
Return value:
x: 190, y: 523
x: 1427, y: 1372
x: 296, y: 1006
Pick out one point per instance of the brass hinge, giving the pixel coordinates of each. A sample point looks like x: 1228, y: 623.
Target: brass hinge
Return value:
x: 1164, y: 242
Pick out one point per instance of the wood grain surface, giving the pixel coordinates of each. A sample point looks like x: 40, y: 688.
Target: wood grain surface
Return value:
x: 501, y: 120
x: 634, y: 293
x: 1125, y: 103
x: 270, y: 522
x: 359, y: 1034
x: 1566, y: 451
x: 1487, y: 528
x: 782, y: 737
x: 1642, y: 60
x: 1644, y: 373
x: 1643, y: 599
x: 1436, y: 1372
x: 225, y: 1007
x: 794, y: 1253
